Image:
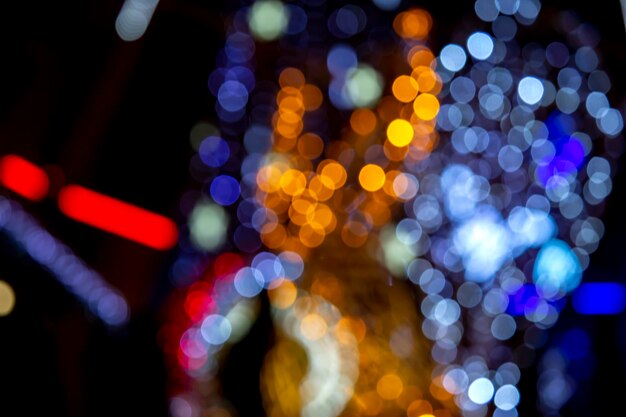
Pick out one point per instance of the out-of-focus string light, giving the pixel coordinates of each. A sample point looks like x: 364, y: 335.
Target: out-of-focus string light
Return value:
x: 91, y: 289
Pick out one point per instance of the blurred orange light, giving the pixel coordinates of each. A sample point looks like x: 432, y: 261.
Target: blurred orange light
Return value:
x: 372, y: 177
x: 405, y: 88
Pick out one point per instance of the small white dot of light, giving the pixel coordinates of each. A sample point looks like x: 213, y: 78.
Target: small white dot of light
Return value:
x: 134, y: 17
x: 480, y: 45
x: 530, y: 90
x: 453, y: 57
x: 481, y: 391
x: 216, y: 329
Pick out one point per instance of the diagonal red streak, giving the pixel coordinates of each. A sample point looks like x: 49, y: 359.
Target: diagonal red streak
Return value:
x: 23, y: 177
x: 117, y: 217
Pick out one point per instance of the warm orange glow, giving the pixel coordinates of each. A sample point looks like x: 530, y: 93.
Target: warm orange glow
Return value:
x: 426, y: 106
x: 372, y: 177
x: 405, y: 88
x: 312, y: 97
x: 310, y: 145
x: 283, y: 295
x: 333, y: 174
x: 292, y: 182
x: 363, y: 121
x: 389, y: 387
x: 415, y: 23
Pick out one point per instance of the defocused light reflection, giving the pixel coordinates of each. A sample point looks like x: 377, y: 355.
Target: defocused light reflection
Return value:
x: 478, y: 174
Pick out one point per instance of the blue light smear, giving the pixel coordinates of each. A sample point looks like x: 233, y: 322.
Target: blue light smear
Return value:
x: 526, y: 299
x: 599, y: 298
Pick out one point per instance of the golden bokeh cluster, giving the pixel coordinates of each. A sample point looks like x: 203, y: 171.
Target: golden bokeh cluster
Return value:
x: 314, y: 187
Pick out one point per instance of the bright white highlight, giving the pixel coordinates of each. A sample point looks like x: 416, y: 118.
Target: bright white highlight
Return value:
x: 134, y: 18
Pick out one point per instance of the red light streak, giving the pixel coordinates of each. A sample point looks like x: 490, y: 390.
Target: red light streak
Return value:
x: 117, y: 217
x: 23, y: 178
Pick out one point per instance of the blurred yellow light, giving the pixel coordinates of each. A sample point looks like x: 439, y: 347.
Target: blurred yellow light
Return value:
x: 372, y: 177
x: 313, y: 326
x: 284, y: 295
x: 7, y: 299
x: 405, y: 88
x: 426, y: 106
x: 333, y: 175
x: 268, y: 178
x: 322, y: 191
x: 389, y: 387
x: 400, y: 132
x: 292, y: 182
x: 311, y: 235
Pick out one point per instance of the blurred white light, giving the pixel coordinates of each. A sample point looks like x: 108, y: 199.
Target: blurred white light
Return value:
x: 134, y: 17
x: 480, y: 45
x: 480, y: 391
x: 453, y: 57
x: 530, y: 90
x: 216, y: 329
x: 484, y: 243
x: 506, y: 397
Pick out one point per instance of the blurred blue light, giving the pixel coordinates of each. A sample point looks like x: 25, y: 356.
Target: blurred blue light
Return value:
x: 526, y: 299
x: 575, y: 344
x: 480, y: 45
x: 225, y: 190
x: 387, y: 4
x: 232, y: 96
x: 599, y: 298
x: 248, y: 282
x: 297, y: 20
x: 453, y: 57
x: 258, y: 139
x: 292, y: 263
x: 239, y: 47
x: 340, y: 59
x: 214, y: 151
x: 557, y: 270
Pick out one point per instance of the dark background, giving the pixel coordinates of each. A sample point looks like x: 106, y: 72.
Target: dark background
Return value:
x: 115, y: 116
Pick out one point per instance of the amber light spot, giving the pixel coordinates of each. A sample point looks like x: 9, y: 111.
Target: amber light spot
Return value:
x: 372, y: 177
